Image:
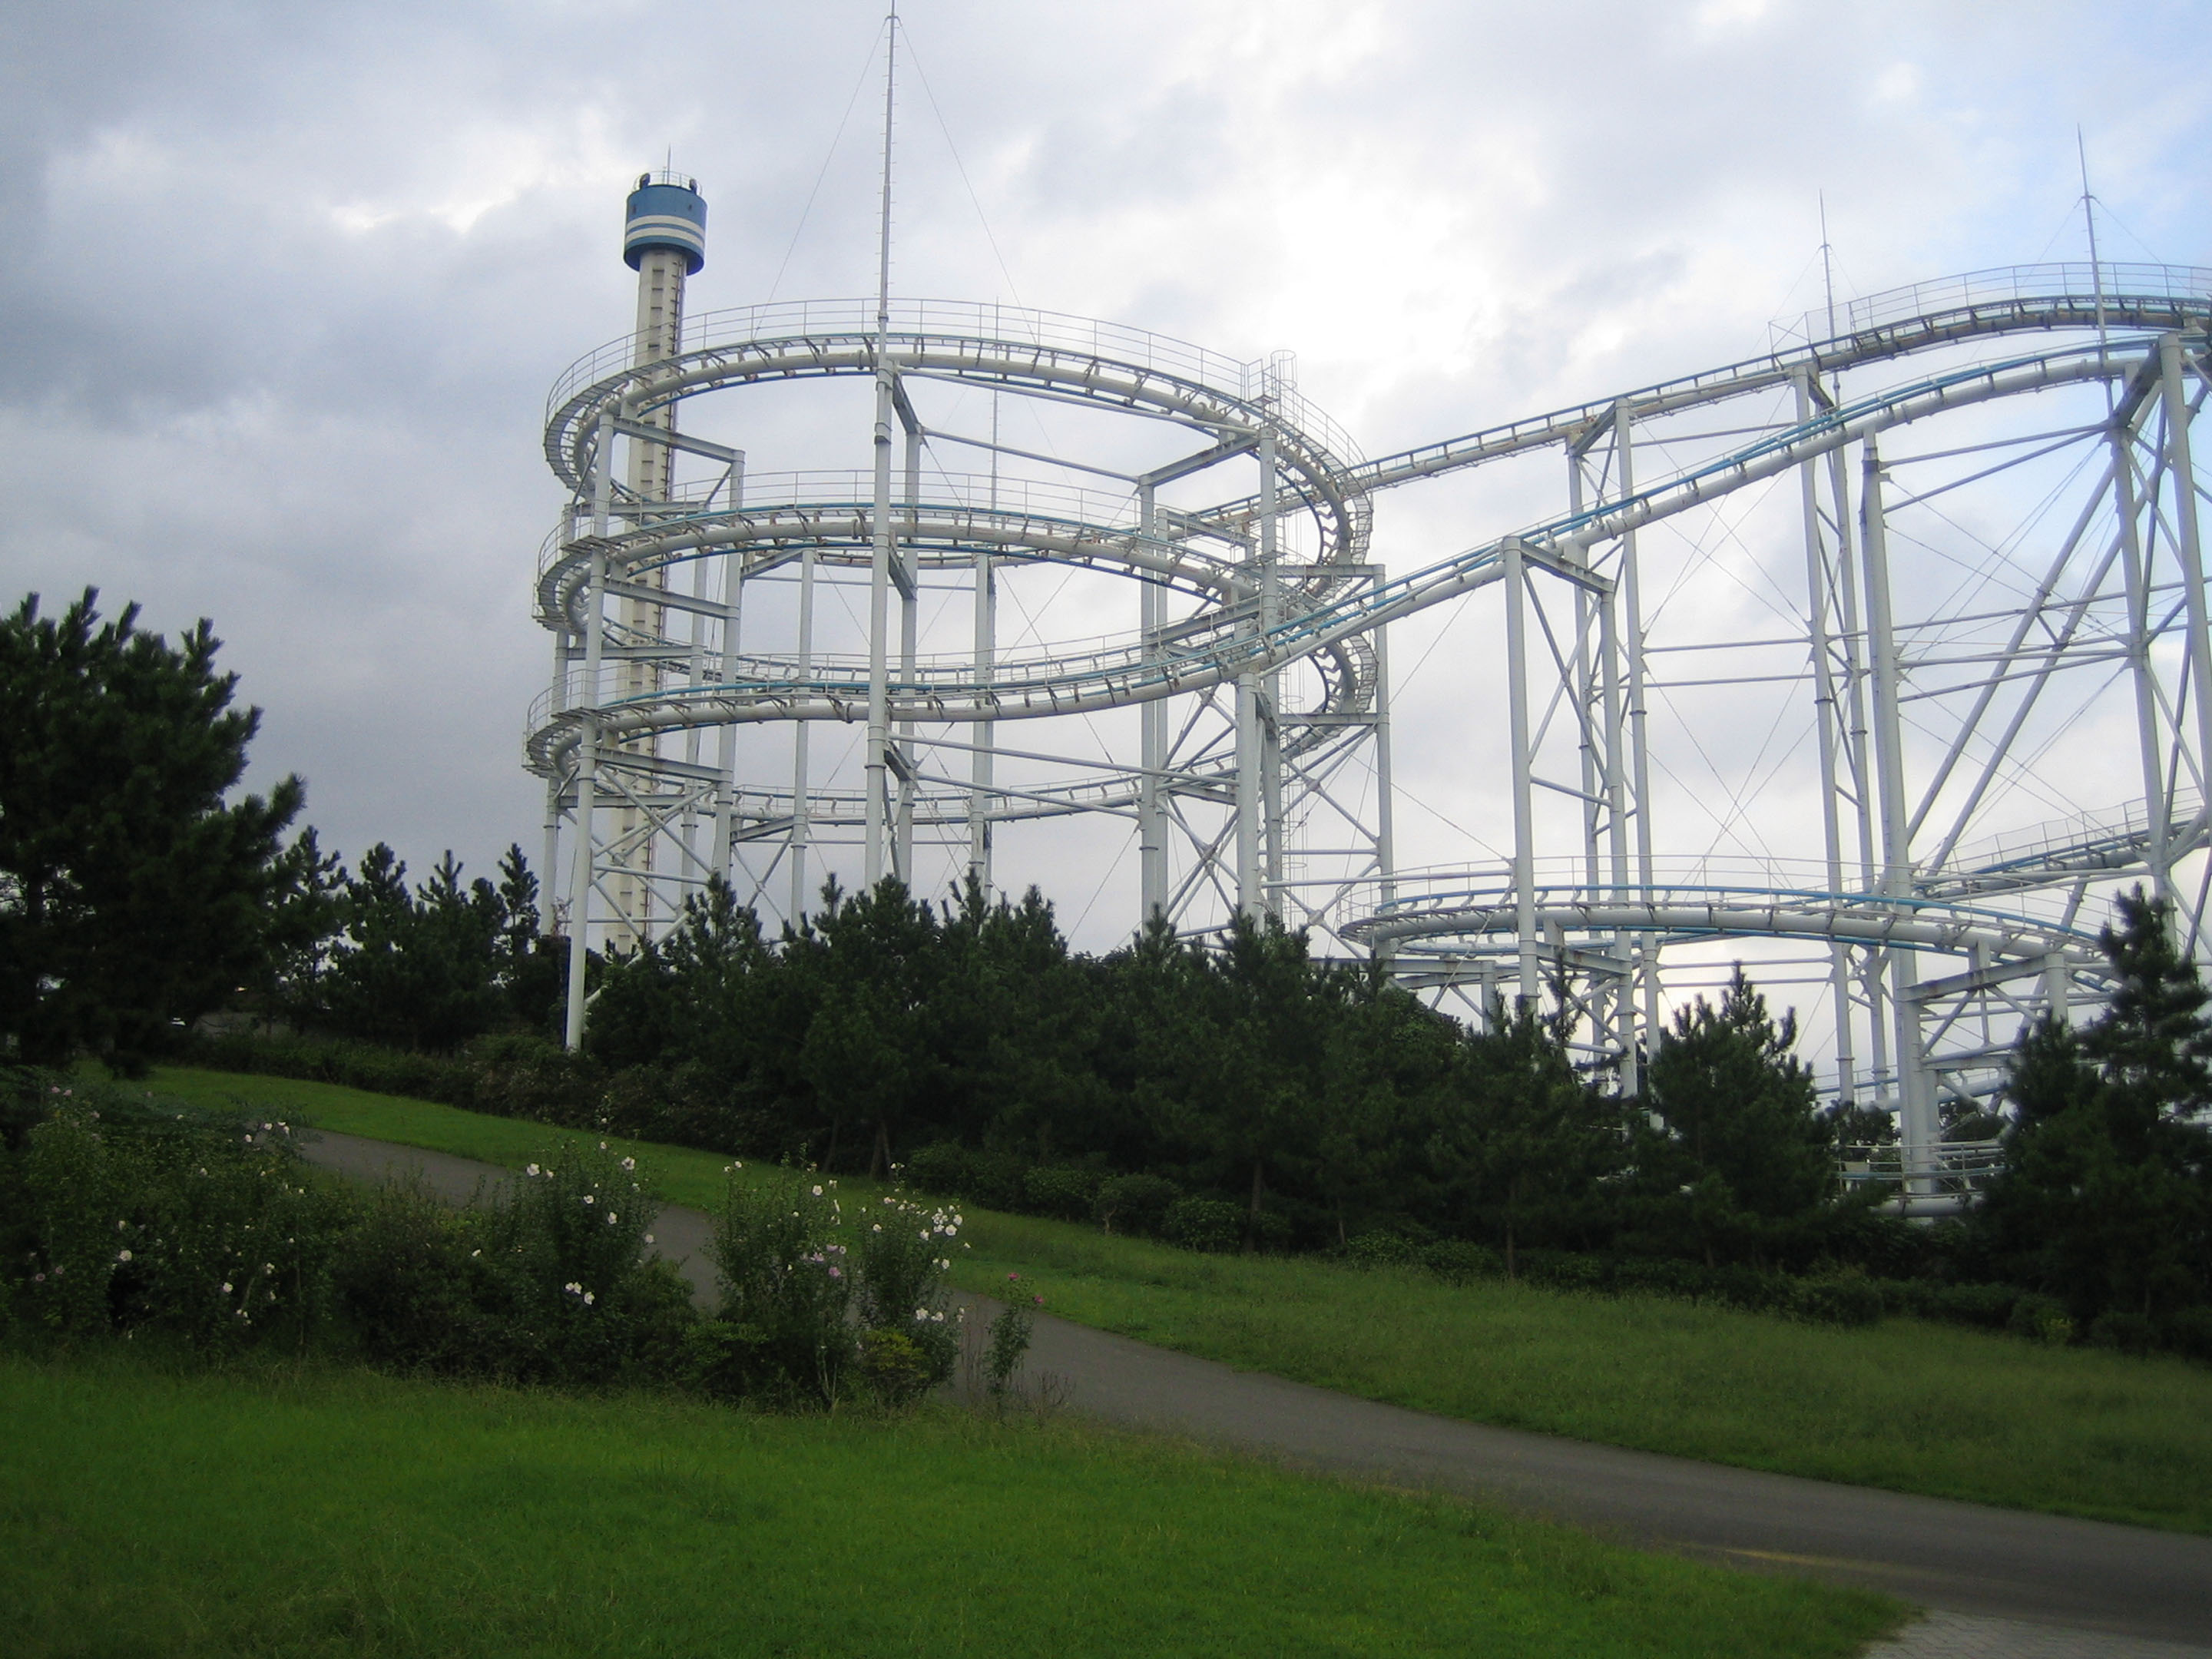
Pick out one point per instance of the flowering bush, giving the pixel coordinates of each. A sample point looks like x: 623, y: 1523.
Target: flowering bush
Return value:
x: 121, y: 1215
x: 1010, y: 1339
x: 905, y: 1254
x: 788, y: 1284
x: 548, y: 1282
x: 137, y: 1217
x: 814, y: 1299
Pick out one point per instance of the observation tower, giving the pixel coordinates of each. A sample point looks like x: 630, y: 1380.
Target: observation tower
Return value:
x: 1879, y: 661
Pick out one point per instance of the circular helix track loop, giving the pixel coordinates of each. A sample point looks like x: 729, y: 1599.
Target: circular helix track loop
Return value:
x: 1061, y: 680
x: 1453, y: 912
x: 1039, y: 353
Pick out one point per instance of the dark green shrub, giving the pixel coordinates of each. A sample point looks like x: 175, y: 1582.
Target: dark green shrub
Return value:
x: 994, y: 1180
x: 2040, y: 1319
x: 2130, y: 1333
x: 22, y: 1102
x: 516, y: 1074
x: 415, y: 1292
x: 991, y: 1179
x: 895, y: 1368
x: 1381, y: 1249
x: 1457, y: 1259
x: 1989, y: 1306
x: 1135, y: 1204
x: 1660, y: 1276
x: 1845, y: 1298
x: 1563, y: 1270
x: 2188, y: 1332
x: 733, y: 1361
x: 940, y: 1167
x: 1063, y: 1193
x: 1204, y: 1224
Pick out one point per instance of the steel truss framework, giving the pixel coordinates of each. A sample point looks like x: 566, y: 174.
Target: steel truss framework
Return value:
x: 1939, y: 660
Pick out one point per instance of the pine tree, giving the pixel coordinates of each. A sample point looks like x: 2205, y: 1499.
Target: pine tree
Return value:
x: 135, y: 895
x: 2105, y: 1195
x: 1740, y: 1153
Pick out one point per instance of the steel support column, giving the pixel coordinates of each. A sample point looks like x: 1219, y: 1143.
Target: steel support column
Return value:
x: 1916, y: 1108
x: 1524, y: 832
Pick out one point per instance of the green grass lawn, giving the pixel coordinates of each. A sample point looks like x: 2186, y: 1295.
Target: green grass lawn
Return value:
x: 1906, y: 1405
x: 341, y: 1512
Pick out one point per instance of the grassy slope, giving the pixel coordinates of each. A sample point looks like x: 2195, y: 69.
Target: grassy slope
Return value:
x: 341, y: 1512
x: 1909, y: 1406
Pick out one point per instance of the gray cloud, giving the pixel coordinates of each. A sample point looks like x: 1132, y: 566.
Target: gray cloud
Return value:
x: 282, y: 288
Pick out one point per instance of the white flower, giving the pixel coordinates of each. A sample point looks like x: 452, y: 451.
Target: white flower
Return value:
x: 589, y: 1298
x: 118, y: 1223
x: 817, y: 1192
x: 123, y: 1255
x: 588, y: 1198
x: 939, y: 1317
x: 922, y: 1313
x: 629, y: 1163
x: 923, y: 1234
x: 530, y: 1169
x: 878, y: 1228
x: 612, y: 1218
x: 648, y: 1238
x: 603, y: 1145
x: 226, y: 1287
x: 950, y: 1231
x: 474, y: 1254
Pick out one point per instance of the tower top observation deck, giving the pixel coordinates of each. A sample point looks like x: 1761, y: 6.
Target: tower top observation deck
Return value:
x: 666, y: 211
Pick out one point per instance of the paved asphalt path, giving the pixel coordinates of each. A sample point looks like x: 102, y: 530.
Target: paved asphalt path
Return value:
x: 1977, y: 1566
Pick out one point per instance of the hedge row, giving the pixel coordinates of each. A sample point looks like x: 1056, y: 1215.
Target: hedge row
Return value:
x: 1841, y: 1297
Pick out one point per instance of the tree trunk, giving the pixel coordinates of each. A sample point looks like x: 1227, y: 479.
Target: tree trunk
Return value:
x: 879, y: 1162
x: 1252, y: 1222
x: 1510, y: 1258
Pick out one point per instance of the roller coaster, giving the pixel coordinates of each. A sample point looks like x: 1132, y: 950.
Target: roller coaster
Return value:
x: 1881, y: 659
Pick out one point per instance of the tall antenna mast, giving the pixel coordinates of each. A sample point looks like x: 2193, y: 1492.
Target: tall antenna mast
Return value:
x: 875, y: 840
x: 2096, y: 269
x: 1827, y: 264
x: 884, y: 239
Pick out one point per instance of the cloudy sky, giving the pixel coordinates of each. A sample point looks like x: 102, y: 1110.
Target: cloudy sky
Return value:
x: 282, y: 287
